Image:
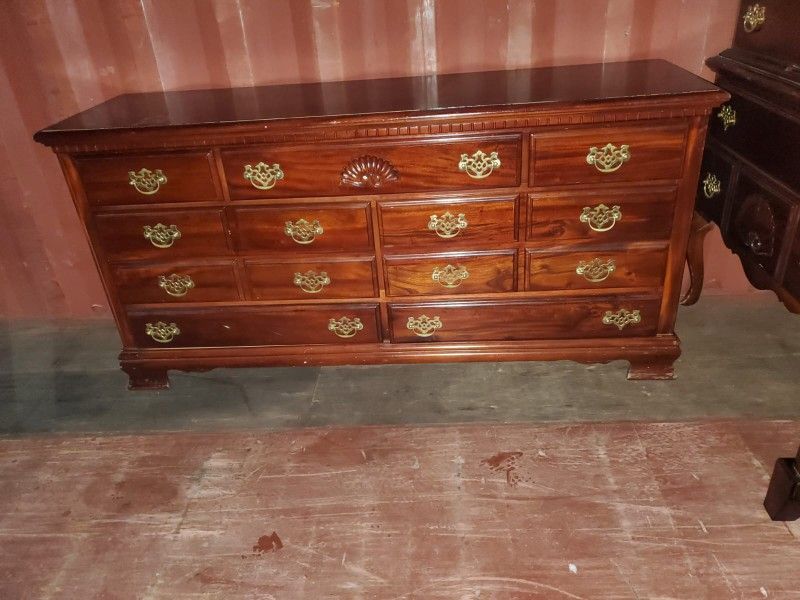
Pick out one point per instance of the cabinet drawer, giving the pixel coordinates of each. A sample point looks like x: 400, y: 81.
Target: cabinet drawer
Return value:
x: 312, y: 279
x: 714, y: 185
x: 255, y: 326
x: 298, y: 228
x: 148, y: 178
x: 607, y: 154
x: 374, y: 168
x: 166, y: 235
x: 597, y: 269
x: 451, y: 273
x: 546, y: 319
x: 445, y: 224
x: 601, y: 216
x: 176, y: 283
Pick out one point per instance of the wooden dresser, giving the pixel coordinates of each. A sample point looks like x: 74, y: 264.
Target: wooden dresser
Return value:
x: 508, y: 215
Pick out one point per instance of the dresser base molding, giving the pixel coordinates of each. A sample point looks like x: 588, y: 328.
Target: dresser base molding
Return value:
x: 649, y: 357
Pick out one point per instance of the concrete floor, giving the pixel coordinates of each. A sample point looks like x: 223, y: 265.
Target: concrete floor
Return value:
x: 741, y: 358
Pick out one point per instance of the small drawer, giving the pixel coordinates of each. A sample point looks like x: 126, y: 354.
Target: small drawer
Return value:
x: 601, y: 216
x: 176, y: 283
x: 621, y: 316
x: 641, y: 267
x: 312, y: 279
x: 374, y: 168
x: 445, y: 224
x: 166, y: 235
x: 477, y: 273
x: 714, y: 185
x: 255, y: 326
x: 148, y: 178
x: 607, y: 154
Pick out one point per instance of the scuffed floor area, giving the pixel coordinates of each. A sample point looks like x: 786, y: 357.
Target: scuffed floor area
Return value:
x: 464, y: 512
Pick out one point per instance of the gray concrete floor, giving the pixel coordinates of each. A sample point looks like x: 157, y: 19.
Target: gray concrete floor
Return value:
x: 741, y: 358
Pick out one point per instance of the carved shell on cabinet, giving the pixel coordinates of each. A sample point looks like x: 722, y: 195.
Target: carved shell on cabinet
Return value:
x: 369, y: 172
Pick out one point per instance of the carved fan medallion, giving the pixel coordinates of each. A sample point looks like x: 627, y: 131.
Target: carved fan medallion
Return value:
x: 755, y: 225
x: 369, y: 172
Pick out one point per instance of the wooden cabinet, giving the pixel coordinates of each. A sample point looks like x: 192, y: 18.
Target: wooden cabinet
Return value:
x: 536, y: 221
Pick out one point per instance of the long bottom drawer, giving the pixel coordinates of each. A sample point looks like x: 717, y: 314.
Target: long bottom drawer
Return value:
x: 525, y: 320
x: 255, y: 326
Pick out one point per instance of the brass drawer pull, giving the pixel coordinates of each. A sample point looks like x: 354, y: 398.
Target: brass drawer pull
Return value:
x: 609, y: 158
x: 754, y: 17
x: 263, y: 176
x: 303, y: 232
x: 147, y: 182
x: 596, y: 270
x: 622, y: 318
x: 311, y: 282
x: 424, y: 326
x: 480, y: 165
x: 160, y: 235
x: 449, y: 276
x: 711, y: 186
x: 601, y: 218
x: 448, y: 225
x: 727, y: 115
x: 175, y: 285
x: 345, y: 327
x: 161, y: 332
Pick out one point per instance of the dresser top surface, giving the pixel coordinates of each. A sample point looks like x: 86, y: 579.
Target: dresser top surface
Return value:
x: 433, y: 94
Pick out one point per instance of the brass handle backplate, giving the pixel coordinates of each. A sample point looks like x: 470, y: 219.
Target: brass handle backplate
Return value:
x: 622, y: 318
x: 302, y: 231
x: 147, y: 182
x: 423, y: 325
x: 600, y: 218
x: 175, y: 285
x: 754, y: 18
x: 727, y: 115
x: 311, y: 282
x: 448, y: 225
x: 480, y: 165
x: 161, y: 332
x: 449, y: 276
x: 609, y: 158
x: 263, y: 176
x: 160, y: 235
x: 711, y: 186
x: 345, y: 327
x: 596, y: 270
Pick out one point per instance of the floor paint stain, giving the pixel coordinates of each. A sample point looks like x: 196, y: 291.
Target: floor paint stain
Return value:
x: 505, y: 462
x: 268, y: 543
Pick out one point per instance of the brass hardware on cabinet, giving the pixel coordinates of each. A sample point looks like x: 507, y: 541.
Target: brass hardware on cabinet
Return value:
x: 450, y: 276
x: 161, y: 332
x: 311, y: 282
x: 480, y: 165
x: 423, y: 325
x: 448, y: 225
x: 160, y: 235
x: 369, y: 172
x: 345, y: 327
x: 601, y: 217
x: 596, y: 270
x: 727, y: 115
x: 609, y: 158
x: 754, y: 17
x: 711, y: 186
x: 263, y: 176
x: 622, y: 318
x: 147, y: 182
x: 302, y: 231
x: 175, y: 284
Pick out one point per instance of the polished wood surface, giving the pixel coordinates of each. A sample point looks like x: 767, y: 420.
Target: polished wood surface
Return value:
x: 277, y: 280
x: 210, y: 283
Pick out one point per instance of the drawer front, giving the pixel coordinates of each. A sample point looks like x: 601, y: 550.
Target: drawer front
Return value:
x: 451, y: 274
x: 547, y: 319
x: 176, y: 283
x: 714, y: 185
x: 149, y: 178
x: 375, y: 168
x: 597, y: 269
x: 607, y: 154
x: 165, y: 235
x: 299, y: 228
x: 312, y: 279
x: 255, y: 326
x: 605, y: 216
x: 441, y: 225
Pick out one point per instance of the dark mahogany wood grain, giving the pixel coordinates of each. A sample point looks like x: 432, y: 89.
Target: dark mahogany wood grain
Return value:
x: 717, y: 164
x: 274, y: 280
x: 212, y: 282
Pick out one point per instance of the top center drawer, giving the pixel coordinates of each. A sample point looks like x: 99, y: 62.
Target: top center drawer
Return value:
x: 376, y: 168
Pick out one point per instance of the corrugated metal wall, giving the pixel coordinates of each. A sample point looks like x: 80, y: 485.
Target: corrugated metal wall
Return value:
x: 58, y: 57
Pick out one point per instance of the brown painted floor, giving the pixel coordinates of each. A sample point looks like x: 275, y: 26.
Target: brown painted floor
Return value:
x: 461, y: 512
